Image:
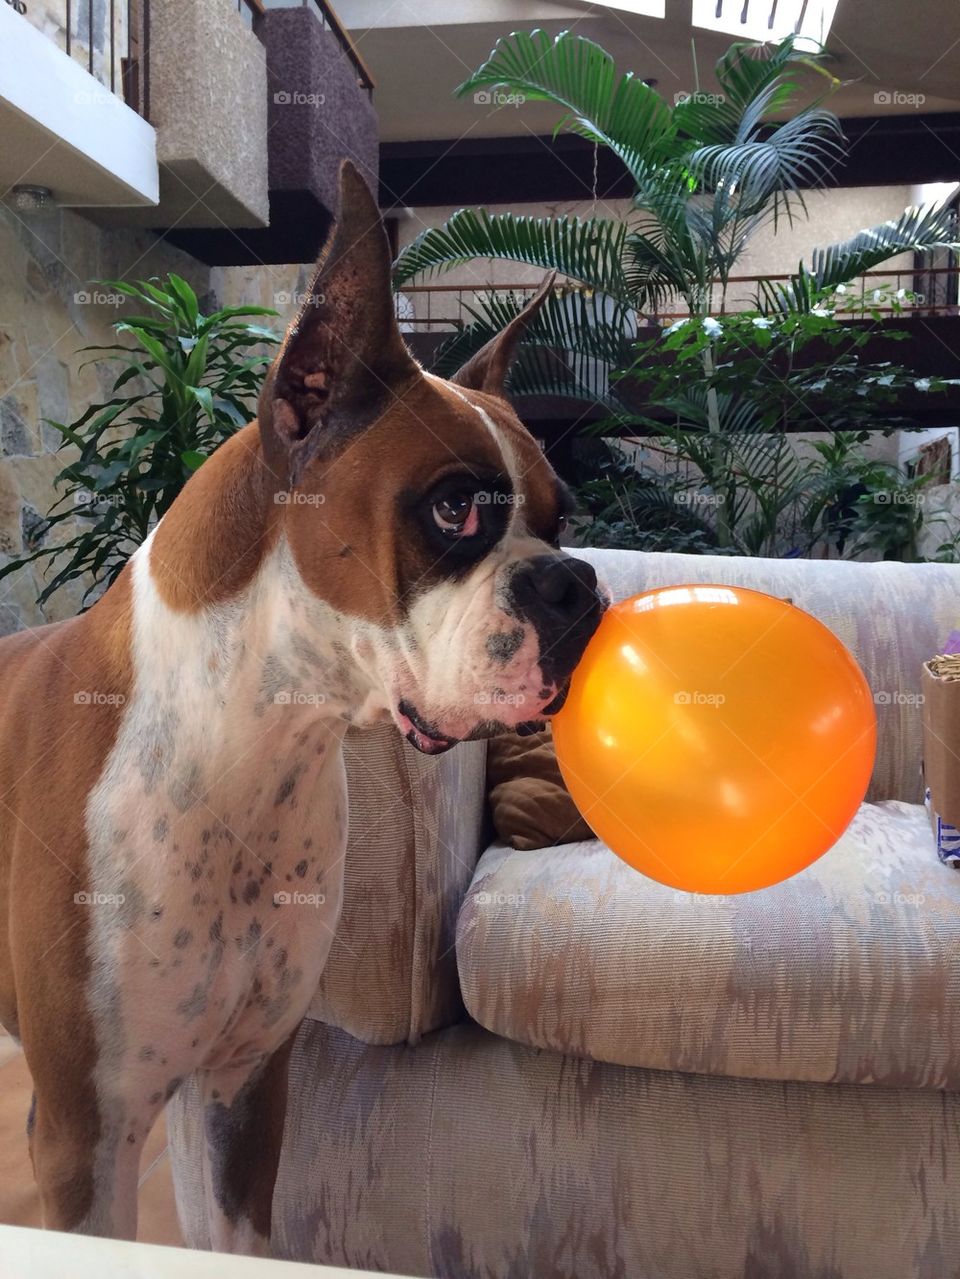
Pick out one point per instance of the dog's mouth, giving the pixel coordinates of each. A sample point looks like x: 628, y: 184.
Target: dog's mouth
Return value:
x: 420, y: 733
x: 427, y: 738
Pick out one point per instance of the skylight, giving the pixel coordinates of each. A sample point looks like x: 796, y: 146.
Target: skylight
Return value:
x: 767, y: 19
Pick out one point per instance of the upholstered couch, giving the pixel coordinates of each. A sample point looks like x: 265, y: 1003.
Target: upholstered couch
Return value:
x: 542, y: 1064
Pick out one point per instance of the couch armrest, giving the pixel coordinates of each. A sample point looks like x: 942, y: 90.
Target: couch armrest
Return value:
x: 892, y: 617
x: 415, y: 836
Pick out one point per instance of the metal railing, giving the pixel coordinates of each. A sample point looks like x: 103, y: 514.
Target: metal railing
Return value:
x: 111, y: 40
x: 439, y: 308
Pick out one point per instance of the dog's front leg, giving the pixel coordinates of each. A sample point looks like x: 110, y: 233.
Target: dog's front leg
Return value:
x: 85, y: 1161
x: 243, y: 1113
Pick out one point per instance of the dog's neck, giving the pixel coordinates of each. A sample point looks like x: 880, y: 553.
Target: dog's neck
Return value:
x: 234, y: 625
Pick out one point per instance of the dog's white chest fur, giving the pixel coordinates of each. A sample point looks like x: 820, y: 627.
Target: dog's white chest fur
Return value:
x: 216, y: 835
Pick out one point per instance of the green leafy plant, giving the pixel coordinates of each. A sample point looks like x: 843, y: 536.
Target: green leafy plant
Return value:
x: 708, y: 173
x: 185, y: 383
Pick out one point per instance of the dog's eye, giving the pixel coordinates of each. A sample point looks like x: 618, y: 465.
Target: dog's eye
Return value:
x: 456, y: 515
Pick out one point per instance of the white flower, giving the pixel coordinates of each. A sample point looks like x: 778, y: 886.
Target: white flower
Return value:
x: 761, y: 322
x: 841, y: 288
x: 822, y: 312
x: 677, y: 324
x: 922, y: 384
x: 713, y: 328
x: 886, y: 380
x: 900, y: 294
x: 877, y: 295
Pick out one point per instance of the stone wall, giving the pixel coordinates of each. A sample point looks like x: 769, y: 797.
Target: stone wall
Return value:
x: 50, y: 306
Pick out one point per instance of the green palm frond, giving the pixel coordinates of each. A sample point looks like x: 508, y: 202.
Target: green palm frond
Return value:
x: 571, y: 347
x: 621, y: 113
x: 765, y: 165
x: 589, y: 250
x: 917, y: 230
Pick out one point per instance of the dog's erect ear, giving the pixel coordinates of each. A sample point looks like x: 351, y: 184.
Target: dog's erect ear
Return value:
x: 343, y: 360
x: 488, y: 369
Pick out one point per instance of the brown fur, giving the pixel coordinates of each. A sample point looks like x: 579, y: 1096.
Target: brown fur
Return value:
x: 52, y: 749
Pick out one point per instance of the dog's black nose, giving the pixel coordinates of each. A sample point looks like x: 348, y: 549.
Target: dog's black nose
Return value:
x: 558, y: 595
x: 560, y: 582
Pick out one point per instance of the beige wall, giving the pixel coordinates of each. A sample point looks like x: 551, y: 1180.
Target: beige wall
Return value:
x: 49, y: 308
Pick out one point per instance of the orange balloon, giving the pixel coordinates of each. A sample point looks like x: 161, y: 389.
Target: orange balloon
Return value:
x: 717, y: 739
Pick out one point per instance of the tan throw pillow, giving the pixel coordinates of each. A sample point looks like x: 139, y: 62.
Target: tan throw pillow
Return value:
x: 530, y: 804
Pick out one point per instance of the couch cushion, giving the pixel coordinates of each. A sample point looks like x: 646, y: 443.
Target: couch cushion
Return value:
x: 850, y: 971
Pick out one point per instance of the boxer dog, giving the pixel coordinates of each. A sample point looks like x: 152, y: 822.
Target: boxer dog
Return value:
x: 378, y: 544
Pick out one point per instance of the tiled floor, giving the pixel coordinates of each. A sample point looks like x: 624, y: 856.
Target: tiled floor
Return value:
x: 19, y: 1201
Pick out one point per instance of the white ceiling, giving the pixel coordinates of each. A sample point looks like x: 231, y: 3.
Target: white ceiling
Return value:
x: 420, y: 50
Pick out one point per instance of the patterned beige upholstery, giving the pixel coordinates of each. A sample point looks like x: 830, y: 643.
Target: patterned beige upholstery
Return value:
x: 471, y: 1156
x: 849, y: 972
x: 415, y: 835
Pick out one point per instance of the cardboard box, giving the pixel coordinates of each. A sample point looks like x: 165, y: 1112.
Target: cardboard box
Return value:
x: 940, y: 685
